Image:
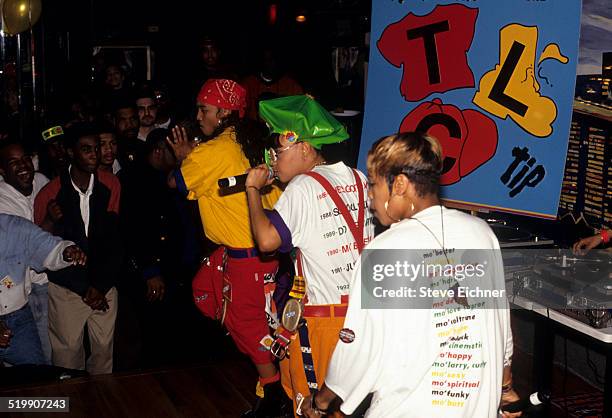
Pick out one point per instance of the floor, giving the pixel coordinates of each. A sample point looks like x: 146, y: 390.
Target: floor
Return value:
x: 201, y: 374
x: 224, y: 388
x: 220, y: 390
x: 571, y: 396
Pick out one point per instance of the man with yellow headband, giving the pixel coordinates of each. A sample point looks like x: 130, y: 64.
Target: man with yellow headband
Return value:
x: 323, y: 212
x: 54, y: 159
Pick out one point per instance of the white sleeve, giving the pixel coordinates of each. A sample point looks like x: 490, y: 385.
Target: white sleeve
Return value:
x: 500, y: 283
x: 509, y: 349
x: 293, y: 207
x: 41, y: 181
x: 55, y: 259
x: 36, y: 277
x: 355, y: 366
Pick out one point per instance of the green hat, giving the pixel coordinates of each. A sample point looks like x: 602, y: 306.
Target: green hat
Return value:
x: 303, y: 119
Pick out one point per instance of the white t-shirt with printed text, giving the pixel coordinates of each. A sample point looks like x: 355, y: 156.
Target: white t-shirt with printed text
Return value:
x: 318, y: 229
x: 414, y: 364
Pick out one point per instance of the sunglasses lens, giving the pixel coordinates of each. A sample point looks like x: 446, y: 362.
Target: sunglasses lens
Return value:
x: 271, y: 156
x: 268, y: 156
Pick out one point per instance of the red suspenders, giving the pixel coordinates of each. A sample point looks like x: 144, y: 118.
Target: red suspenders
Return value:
x: 356, y: 228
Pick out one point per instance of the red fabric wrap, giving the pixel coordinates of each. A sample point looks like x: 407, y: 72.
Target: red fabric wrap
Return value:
x: 207, y: 286
x: 243, y: 283
x: 225, y: 94
x: 605, y: 237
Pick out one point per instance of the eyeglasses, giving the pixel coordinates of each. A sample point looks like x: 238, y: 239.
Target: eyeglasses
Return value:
x: 274, y: 153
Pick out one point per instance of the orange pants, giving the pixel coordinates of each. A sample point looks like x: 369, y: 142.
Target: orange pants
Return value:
x: 323, y: 335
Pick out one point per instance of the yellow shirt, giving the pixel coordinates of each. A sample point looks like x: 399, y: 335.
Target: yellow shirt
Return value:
x: 225, y: 218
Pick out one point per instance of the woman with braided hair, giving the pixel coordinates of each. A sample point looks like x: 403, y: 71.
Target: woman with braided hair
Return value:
x: 231, y: 147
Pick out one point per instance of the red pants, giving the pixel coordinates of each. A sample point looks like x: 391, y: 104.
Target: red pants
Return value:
x: 242, y: 283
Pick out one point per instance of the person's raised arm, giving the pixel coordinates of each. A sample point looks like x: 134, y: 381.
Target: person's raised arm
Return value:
x: 180, y: 144
x: 264, y: 233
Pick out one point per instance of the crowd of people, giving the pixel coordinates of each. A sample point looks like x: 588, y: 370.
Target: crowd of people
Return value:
x: 120, y: 214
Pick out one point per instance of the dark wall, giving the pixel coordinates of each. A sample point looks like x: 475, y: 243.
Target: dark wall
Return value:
x: 71, y: 27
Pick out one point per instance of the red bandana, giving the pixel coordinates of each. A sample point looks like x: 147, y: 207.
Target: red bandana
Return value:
x: 226, y: 94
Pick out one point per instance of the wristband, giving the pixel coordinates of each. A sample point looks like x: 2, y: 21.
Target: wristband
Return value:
x: 605, y: 237
x: 507, y: 387
x: 315, y: 408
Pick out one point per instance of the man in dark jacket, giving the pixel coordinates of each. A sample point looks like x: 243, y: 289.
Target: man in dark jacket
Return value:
x: 82, y: 205
x: 162, y: 249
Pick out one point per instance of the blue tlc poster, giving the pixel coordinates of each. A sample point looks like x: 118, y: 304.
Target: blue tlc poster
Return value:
x: 492, y: 80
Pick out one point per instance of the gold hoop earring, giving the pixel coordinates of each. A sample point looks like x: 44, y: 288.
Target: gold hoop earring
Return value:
x: 387, y: 212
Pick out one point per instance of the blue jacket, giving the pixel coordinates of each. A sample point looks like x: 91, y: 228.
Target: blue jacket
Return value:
x: 23, y: 245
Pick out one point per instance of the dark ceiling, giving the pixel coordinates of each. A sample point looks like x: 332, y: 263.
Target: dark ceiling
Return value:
x: 174, y: 28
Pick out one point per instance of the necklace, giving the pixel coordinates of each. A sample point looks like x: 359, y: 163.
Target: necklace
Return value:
x: 441, y: 244
x: 318, y: 164
x: 460, y: 300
